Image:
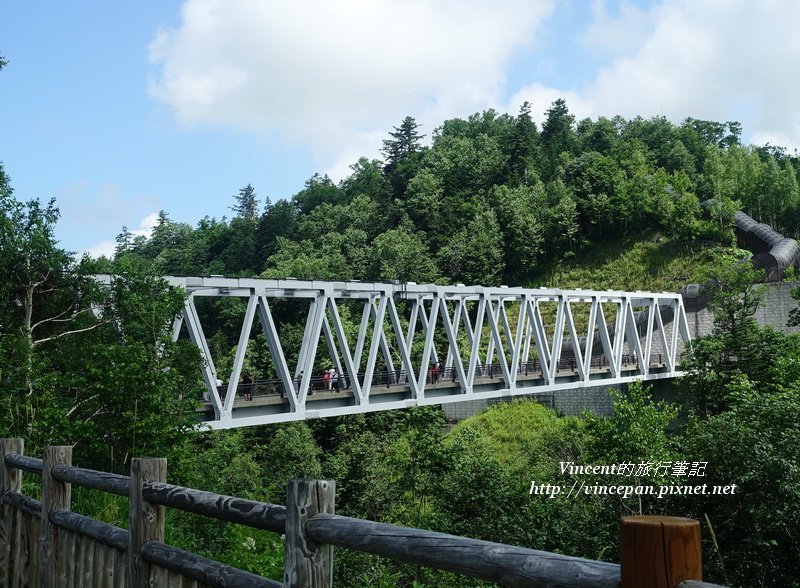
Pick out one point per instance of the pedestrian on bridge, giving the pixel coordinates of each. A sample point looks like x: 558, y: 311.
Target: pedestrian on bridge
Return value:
x: 247, y: 387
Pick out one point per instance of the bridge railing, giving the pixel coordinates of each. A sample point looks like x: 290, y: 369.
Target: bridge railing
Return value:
x: 275, y: 387
x: 43, y: 543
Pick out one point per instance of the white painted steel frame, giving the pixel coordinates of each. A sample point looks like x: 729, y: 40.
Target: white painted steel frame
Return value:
x: 440, y: 313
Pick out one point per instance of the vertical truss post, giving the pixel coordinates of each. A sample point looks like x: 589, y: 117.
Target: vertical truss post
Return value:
x: 350, y: 365
x: 619, y: 335
x: 663, y: 337
x: 197, y: 337
x: 373, y: 348
x: 632, y: 332
x: 605, y: 339
x: 518, y: 342
x: 405, y: 349
x: 412, y: 323
x: 682, y: 322
x: 576, y: 344
x: 456, y: 322
x: 241, y: 350
x: 558, y: 337
x: 276, y: 351
x: 495, y: 334
x: 311, y: 341
x: 423, y: 316
x: 428, y: 349
x: 476, y: 344
x: 366, y: 313
x: 540, y: 338
x: 587, y: 351
x: 644, y: 362
x: 453, y: 351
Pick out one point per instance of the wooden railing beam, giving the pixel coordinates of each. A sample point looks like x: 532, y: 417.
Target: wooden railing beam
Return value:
x: 507, y: 564
x: 656, y: 552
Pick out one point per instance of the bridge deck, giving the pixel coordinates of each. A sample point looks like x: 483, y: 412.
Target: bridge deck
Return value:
x: 268, y: 397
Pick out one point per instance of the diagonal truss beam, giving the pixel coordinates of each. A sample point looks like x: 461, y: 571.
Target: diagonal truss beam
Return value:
x: 497, y: 342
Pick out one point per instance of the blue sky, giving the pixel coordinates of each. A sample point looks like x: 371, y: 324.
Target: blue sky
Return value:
x: 121, y: 110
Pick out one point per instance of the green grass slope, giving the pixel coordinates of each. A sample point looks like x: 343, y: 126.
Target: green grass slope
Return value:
x: 652, y: 263
x: 521, y: 435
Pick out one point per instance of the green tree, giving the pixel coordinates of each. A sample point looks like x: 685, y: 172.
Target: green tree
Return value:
x: 678, y: 158
x: 466, y: 166
x: 318, y: 190
x: 423, y: 204
x: 341, y: 256
x: 523, y: 233
x: 45, y: 295
x: 5, y: 183
x: 743, y: 170
x: 124, y: 242
x: 246, y: 206
x: 402, y: 155
x: 558, y: 136
x: 600, y: 135
x: 637, y: 431
x: 399, y: 254
x: 128, y: 390
x: 560, y: 220
x: 794, y: 313
x: 754, y: 445
x: 366, y: 177
x: 523, y: 148
x: 475, y: 254
x: 405, y: 140
x: 278, y: 220
x: 737, y: 347
x: 598, y: 183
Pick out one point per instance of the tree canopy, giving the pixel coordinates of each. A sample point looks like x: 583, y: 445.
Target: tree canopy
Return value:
x: 491, y: 200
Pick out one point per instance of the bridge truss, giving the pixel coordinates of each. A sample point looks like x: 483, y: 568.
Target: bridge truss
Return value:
x: 486, y: 342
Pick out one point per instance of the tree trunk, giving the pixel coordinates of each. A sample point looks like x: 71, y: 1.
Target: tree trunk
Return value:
x: 29, y: 338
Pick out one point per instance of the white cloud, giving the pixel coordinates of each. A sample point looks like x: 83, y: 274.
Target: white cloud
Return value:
x: 331, y: 73
x: 541, y: 95
x: 146, y: 225
x: 718, y: 60
x: 103, y: 248
x: 616, y: 31
x: 107, y: 246
x: 336, y: 76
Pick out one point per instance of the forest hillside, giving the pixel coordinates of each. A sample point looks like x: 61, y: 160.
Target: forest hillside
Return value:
x: 491, y: 199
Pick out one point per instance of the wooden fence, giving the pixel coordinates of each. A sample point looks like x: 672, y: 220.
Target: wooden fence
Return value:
x: 43, y: 543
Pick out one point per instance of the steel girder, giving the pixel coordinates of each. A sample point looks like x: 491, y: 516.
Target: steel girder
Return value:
x: 487, y: 337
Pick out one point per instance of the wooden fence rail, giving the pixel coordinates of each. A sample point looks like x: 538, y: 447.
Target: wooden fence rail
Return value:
x: 45, y: 544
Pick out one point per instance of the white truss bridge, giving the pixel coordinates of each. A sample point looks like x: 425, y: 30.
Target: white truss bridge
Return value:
x: 486, y: 342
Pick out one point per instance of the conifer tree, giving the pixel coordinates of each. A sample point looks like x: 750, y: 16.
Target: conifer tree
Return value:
x: 558, y: 136
x: 246, y: 206
x: 404, y: 141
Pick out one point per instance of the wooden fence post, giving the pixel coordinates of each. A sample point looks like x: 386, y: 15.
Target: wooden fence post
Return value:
x: 659, y: 552
x: 145, y: 520
x: 10, y: 481
x: 307, y: 563
x: 55, y: 496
